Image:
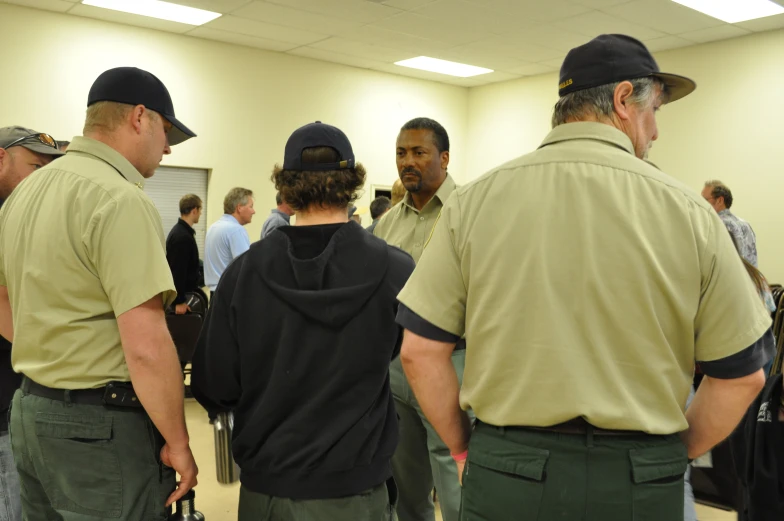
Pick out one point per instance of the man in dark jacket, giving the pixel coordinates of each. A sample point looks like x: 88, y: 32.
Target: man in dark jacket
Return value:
x: 298, y: 342
x: 182, y: 252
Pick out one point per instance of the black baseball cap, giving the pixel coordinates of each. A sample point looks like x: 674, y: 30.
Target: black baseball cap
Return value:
x: 611, y: 58
x: 137, y: 87
x: 318, y: 134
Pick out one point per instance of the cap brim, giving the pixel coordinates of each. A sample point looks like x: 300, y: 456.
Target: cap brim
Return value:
x: 678, y: 86
x: 178, y: 132
x: 39, y: 148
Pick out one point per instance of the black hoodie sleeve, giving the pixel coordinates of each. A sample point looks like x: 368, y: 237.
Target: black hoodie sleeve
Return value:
x: 401, y: 265
x: 215, y: 379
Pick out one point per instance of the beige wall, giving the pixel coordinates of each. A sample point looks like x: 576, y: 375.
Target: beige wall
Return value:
x: 243, y: 103
x: 728, y: 129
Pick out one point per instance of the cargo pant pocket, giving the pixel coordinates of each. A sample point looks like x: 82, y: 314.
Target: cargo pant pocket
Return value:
x: 504, y: 485
x: 657, y: 482
x: 83, y: 473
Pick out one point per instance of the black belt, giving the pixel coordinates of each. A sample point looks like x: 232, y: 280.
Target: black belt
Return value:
x: 119, y: 394
x: 582, y: 427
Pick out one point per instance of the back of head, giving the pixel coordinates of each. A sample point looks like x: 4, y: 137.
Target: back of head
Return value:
x: 188, y: 203
x: 440, y: 137
x: 319, y: 170
x: 591, y: 72
x: 237, y: 196
x: 324, y: 189
x: 278, y: 199
x: 398, y: 191
x: 379, y: 205
x: 719, y: 189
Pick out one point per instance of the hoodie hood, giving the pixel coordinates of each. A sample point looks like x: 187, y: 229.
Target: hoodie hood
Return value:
x: 332, y: 287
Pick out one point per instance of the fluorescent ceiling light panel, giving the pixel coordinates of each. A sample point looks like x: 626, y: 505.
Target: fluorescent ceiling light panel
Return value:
x: 460, y: 70
x: 734, y: 11
x: 158, y: 9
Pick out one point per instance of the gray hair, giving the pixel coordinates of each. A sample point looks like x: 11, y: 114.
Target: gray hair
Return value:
x: 236, y: 197
x: 598, y: 101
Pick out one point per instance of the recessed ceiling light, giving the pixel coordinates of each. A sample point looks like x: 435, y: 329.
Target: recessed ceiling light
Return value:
x: 158, y: 9
x: 734, y: 11
x: 443, y: 67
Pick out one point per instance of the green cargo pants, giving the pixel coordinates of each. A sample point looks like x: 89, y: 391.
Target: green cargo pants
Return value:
x: 422, y: 461
x: 529, y: 475
x: 87, y: 462
x: 372, y: 505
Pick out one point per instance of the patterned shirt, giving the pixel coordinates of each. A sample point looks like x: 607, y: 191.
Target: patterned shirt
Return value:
x: 742, y: 234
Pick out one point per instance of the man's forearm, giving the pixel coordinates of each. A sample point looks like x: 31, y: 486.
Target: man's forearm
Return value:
x: 157, y: 381
x: 718, y: 407
x: 428, y: 366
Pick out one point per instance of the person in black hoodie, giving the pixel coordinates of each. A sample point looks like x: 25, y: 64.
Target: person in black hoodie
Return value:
x: 297, y: 343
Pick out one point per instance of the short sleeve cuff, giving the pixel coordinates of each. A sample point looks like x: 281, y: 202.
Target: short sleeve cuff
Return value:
x: 744, y: 363
x: 418, y: 325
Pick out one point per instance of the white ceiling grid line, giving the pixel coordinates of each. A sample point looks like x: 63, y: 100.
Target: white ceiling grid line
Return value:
x: 515, y: 38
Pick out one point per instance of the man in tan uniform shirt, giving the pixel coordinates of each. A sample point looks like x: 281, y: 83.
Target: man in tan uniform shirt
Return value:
x: 584, y: 312
x: 421, y: 460
x: 83, y: 285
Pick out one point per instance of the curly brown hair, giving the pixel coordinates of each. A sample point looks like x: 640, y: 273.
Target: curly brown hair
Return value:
x: 325, y: 189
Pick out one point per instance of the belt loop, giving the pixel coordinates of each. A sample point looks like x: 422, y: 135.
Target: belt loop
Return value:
x: 67, y: 397
x: 589, y: 434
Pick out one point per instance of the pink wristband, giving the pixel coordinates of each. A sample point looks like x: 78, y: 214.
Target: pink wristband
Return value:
x: 459, y: 458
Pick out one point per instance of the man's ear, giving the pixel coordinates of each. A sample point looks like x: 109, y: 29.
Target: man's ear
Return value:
x: 136, y: 115
x: 444, y: 159
x: 621, y: 97
x: 5, y: 159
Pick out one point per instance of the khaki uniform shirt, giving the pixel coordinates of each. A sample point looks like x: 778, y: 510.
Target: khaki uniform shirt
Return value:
x: 408, y: 228
x: 591, y: 294
x: 80, y: 244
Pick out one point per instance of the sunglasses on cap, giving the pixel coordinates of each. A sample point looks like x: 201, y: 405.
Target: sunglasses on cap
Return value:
x: 44, y: 139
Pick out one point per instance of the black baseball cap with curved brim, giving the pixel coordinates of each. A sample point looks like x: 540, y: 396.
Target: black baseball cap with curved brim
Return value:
x: 138, y: 87
x: 318, y: 134
x: 611, y: 58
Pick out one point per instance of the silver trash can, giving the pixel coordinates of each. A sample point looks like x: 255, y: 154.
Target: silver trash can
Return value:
x: 227, y: 470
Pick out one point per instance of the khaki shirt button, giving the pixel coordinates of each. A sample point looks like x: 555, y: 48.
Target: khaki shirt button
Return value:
x: 421, y: 218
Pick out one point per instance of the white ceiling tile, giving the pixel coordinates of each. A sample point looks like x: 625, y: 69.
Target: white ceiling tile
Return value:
x: 242, y: 39
x: 521, y: 51
x: 281, y: 15
x: 335, y: 57
x: 216, y: 6
x: 556, y: 38
x: 263, y: 30
x: 599, y: 4
x: 424, y: 27
x: 47, y: 5
x: 595, y: 23
x: 769, y: 23
x: 416, y: 73
x: 666, y: 42
x: 407, y: 5
x: 535, y: 10
x: 663, y: 15
x: 532, y: 69
x: 492, y: 61
x: 554, y: 64
x: 722, y: 32
x: 353, y: 10
x: 484, y: 79
x: 461, y: 15
x: 129, y: 19
x: 374, y: 35
x: 362, y: 50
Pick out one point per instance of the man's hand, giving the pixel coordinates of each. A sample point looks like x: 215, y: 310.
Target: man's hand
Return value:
x: 181, y: 309
x: 183, y: 463
x: 460, y: 468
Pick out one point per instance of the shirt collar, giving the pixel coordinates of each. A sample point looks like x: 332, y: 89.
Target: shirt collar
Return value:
x: 442, y: 194
x: 589, y: 130
x: 182, y: 222
x: 230, y: 218
x: 726, y: 211
x: 109, y: 155
x: 286, y: 216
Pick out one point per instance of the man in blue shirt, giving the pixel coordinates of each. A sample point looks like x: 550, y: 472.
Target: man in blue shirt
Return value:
x: 226, y: 238
x: 280, y: 216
